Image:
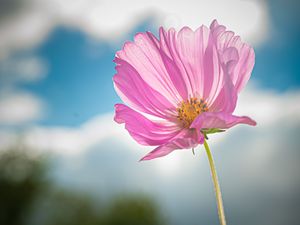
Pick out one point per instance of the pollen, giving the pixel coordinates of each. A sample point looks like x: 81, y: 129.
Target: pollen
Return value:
x: 188, y: 110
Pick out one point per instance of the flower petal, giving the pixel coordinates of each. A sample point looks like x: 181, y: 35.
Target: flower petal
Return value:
x: 221, y: 120
x: 243, y: 68
x: 225, y: 99
x: 144, y: 55
x: 172, y: 69
x: 134, y: 91
x: 193, y: 54
x: 143, y: 130
x: 185, y: 140
x: 204, y: 68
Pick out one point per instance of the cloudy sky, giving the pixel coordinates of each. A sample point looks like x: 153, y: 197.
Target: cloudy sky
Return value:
x: 57, y: 96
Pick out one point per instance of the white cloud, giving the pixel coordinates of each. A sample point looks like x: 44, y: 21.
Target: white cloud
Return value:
x: 24, y: 31
x: 19, y: 108
x: 269, y: 107
x: 8, y: 139
x: 72, y: 141
x: 112, y: 19
x: 266, y: 107
x: 277, y: 115
x: 251, y: 161
x: 22, y: 69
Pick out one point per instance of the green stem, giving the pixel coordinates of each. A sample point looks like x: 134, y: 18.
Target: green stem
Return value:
x: 216, y: 185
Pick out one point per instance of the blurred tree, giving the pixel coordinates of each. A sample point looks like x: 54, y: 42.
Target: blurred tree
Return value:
x: 133, y: 210
x: 61, y: 207
x: 71, y: 208
x: 27, y: 197
x: 21, y: 179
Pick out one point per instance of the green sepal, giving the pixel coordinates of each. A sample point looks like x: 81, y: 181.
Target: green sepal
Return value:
x: 211, y: 131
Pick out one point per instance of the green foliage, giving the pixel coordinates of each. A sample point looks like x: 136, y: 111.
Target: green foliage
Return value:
x: 211, y: 131
x: 133, y: 211
x: 21, y: 180
x: 67, y: 208
x: 28, y: 198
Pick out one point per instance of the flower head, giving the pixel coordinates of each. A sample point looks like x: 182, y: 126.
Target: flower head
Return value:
x: 181, y: 86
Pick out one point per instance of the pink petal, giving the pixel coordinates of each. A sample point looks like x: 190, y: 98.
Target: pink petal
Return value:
x: 172, y: 69
x: 205, y: 69
x: 185, y: 140
x: 144, y: 55
x: 193, y: 54
x: 226, y: 99
x: 143, y: 130
x: 134, y: 91
x: 220, y: 120
x: 243, y: 68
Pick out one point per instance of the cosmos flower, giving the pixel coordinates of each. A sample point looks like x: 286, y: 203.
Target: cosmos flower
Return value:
x: 182, y: 86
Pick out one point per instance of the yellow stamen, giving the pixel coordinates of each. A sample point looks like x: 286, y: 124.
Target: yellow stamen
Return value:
x: 188, y: 110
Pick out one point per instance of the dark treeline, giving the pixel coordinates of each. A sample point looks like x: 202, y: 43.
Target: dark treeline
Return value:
x: 28, y: 197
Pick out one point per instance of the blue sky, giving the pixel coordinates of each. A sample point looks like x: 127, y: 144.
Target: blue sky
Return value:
x: 79, y: 85
x: 79, y: 82
x: 277, y: 63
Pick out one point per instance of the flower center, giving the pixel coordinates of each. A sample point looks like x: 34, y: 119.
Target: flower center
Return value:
x: 188, y: 110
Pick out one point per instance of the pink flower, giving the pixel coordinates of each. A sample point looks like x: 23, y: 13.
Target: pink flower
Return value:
x: 182, y: 86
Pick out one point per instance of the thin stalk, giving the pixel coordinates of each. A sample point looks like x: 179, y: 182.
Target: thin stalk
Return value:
x: 216, y: 185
